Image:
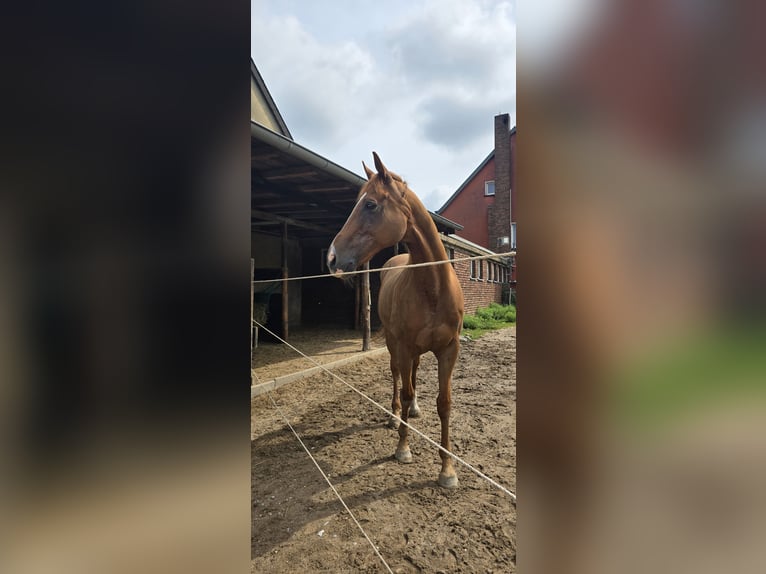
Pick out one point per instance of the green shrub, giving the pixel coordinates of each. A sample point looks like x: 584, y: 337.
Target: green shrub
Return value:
x: 493, y: 317
x: 485, y: 313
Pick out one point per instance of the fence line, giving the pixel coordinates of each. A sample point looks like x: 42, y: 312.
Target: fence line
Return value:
x: 408, y: 266
x: 385, y: 410
x: 337, y: 494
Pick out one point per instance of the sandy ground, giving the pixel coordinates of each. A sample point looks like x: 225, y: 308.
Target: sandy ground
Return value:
x: 300, y: 526
x: 323, y: 345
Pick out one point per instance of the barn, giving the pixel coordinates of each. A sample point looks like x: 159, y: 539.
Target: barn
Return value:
x: 299, y: 201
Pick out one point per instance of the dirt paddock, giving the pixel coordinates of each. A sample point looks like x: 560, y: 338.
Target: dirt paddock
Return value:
x: 300, y: 526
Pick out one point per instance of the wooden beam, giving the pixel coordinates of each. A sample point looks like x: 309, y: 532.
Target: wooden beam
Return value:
x: 257, y: 213
x: 285, y: 285
x: 329, y: 187
x: 258, y: 184
x: 285, y: 172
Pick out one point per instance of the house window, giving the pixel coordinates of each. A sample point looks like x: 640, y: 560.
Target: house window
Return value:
x: 473, y: 269
x: 490, y: 269
x: 451, y: 255
x: 513, y: 235
x: 489, y: 188
x: 480, y: 263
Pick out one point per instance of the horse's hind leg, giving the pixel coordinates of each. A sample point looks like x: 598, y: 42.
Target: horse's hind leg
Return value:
x: 414, y: 408
x: 396, y: 405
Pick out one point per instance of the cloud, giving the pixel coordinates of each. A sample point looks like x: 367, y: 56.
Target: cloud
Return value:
x: 418, y: 82
x: 450, y: 42
x: 453, y: 122
x: 315, y: 84
x: 458, y: 56
x: 437, y: 197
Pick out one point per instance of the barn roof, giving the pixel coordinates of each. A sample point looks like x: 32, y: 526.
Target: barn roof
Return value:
x: 294, y: 185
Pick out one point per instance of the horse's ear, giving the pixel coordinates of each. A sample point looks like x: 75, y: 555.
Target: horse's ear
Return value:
x: 368, y: 171
x: 382, y: 171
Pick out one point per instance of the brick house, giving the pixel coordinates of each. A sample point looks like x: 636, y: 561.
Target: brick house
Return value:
x: 485, y: 203
x: 483, y: 281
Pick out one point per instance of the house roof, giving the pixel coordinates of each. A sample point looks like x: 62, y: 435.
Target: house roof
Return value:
x: 470, y: 177
x: 261, y: 85
x: 467, y: 181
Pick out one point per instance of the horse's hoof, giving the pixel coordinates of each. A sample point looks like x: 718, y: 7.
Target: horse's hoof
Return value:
x: 448, y: 481
x: 414, y: 411
x: 404, y: 456
x: 393, y: 423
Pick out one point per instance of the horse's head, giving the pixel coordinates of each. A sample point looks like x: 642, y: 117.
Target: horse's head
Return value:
x: 378, y: 220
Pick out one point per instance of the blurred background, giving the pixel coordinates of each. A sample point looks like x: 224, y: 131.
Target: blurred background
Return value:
x: 124, y: 270
x: 641, y: 337
x: 124, y: 248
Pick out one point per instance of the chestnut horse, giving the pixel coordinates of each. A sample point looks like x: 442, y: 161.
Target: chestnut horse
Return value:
x: 421, y: 308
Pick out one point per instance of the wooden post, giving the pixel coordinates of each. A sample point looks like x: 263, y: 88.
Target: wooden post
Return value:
x: 366, y: 302
x: 285, y: 312
x: 357, y: 303
x: 252, y: 298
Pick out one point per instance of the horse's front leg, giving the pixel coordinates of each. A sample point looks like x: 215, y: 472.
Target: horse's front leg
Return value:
x: 414, y: 408
x: 396, y: 405
x: 403, y: 453
x: 446, y: 359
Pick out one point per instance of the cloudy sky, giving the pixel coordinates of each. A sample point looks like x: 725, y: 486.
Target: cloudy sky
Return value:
x: 418, y: 81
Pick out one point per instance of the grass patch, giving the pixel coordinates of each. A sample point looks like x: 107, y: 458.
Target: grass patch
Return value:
x: 485, y: 319
x: 721, y: 368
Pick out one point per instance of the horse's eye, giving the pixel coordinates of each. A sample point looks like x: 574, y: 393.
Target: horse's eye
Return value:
x: 371, y: 205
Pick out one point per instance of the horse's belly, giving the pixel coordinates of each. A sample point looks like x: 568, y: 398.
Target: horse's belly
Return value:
x: 412, y: 319
x: 421, y: 335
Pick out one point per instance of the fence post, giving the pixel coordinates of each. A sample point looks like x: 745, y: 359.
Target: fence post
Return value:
x: 252, y: 299
x: 366, y: 302
x: 285, y: 311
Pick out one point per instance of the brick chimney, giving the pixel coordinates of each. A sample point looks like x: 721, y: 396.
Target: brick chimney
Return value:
x: 499, y: 215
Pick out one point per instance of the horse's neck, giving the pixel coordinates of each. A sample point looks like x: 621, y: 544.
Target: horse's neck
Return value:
x: 424, y: 244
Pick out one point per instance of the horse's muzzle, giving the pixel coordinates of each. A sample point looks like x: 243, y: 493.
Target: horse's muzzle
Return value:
x: 335, y: 265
